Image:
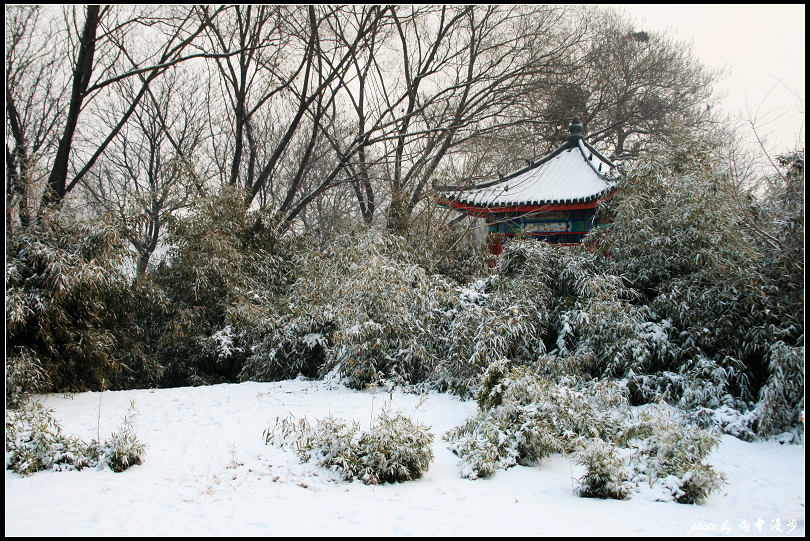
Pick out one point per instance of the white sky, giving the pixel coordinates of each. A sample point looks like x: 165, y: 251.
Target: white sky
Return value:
x: 762, y: 48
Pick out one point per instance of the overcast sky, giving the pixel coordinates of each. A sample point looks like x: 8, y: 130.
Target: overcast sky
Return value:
x: 762, y: 47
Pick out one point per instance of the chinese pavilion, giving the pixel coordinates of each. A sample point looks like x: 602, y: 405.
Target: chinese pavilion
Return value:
x: 553, y: 199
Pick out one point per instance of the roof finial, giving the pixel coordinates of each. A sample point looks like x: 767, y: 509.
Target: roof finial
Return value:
x: 576, y: 130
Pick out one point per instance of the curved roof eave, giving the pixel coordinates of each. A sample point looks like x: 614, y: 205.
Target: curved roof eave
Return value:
x: 555, y: 179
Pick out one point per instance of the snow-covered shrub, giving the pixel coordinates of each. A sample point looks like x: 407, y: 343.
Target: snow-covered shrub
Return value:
x: 728, y: 420
x: 606, y: 333
x: 122, y: 449
x: 35, y: 442
x: 358, y: 307
x: 522, y: 279
x: 598, y: 327
x: 376, y: 313
x: 646, y: 388
x: 181, y: 347
x: 542, y: 297
x: 523, y: 418
x: 700, y: 386
x: 222, y: 277
x: 518, y: 422
x: 24, y: 375
x: 704, y: 257
x: 332, y: 442
x: 73, y: 318
x: 394, y: 449
x: 672, y: 453
x: 781, y: 401
x: 504, y: 316
x: 460, y: 368
x: 479, y: 444
x: 710, y: 383
x: 708, y: 391
x: 697, y: 483
x: 289, y: 345
x: 605, y: 474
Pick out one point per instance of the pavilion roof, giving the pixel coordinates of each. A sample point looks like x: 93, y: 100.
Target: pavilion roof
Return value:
x: 574, y: 175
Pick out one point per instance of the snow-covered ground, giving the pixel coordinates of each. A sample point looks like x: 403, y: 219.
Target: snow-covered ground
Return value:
x: 208, y: 471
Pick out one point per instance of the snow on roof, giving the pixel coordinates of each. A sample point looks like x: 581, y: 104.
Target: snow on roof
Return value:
x: 574, y: 173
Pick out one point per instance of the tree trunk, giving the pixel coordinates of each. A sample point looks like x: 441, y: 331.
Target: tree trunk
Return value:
x: 55, y: 189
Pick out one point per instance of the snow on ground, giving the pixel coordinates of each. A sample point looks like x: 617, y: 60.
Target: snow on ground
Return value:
x: 208, y: 471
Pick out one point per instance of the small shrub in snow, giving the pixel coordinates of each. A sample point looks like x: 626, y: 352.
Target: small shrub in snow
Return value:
x: 523, y: 418
x: 122, y: 449
x: 35, y: 442
x: 697, y: 483
x: 394, y: 449
x: 605, y: 474
x: 671, y: 452
x: 479, y: 444
x: 332, y: 442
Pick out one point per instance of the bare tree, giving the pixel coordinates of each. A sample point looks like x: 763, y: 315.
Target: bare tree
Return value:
x: 35, y: 106
x: 114, y: 45
x: 451, y: 74
x: 280, y: 101
x: 148, y: 172
x: 363, y: 92
x: 631, y: 88
x: 254, y: 31
x: 392, y: 90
